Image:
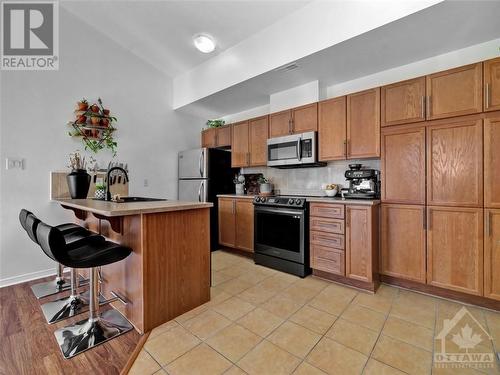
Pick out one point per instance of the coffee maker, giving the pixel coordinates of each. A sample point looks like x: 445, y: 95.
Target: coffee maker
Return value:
x: 363, y: 183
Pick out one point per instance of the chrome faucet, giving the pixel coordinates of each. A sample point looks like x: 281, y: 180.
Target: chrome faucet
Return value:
x: 108, y: 178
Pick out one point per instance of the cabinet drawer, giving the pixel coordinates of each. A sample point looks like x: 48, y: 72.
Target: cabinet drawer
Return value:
x: 326, y: 225
x: 334, y: 211
x: 328, y: 239
x: 328, y: 260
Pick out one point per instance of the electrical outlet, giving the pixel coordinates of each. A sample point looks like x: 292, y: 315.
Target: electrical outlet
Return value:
x: 11, y: 163
x: 146, y: 182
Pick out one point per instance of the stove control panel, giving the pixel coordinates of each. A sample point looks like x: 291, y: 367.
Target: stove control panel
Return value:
x: 297, y: 202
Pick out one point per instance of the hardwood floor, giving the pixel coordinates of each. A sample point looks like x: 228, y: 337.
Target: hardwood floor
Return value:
x: 28, y: 345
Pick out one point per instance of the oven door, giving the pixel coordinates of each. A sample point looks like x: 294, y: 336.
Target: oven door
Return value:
x: 280, y: 232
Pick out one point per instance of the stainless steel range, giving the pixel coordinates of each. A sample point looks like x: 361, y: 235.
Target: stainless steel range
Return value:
x: 282, y: 234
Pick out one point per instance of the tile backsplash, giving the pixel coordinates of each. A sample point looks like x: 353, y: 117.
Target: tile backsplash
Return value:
x: 308, y: 181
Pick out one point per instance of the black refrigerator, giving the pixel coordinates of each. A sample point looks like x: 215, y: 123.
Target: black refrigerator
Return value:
x: 204, y: 173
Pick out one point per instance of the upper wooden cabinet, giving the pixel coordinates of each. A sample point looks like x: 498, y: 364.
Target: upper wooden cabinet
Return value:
x: 240, y: 156
x: 236, y: 223
x: 332, y: 129
x: 296, y: 120
x: 361, y: 242
x: 403, y: 102
x: 492, y: 162
x: 455, y: 248
x: 403, y: 165
x: 249, y: 144
x: 258, y: 134
x: 363, y: 124
x: 216, y: 137
x: 492, y: 254
x: 305, y: 118
x: 455, y: 163
x: 492, y: 85
x: 402, y: 251
x: 455, y: 92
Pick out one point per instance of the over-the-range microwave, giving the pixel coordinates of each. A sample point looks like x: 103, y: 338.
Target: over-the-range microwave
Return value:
x: 293, y: 151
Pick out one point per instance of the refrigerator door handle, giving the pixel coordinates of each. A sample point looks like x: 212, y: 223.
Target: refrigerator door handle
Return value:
x: 201, y: 162
x: 202, y: 185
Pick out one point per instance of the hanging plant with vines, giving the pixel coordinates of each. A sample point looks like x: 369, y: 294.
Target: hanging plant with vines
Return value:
x: 94, y: 124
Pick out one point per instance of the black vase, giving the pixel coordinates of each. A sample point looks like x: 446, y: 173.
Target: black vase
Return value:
x: 78, y: 183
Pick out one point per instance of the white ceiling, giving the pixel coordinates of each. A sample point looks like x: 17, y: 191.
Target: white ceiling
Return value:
x: 161, y: 31
x: 439, y: 29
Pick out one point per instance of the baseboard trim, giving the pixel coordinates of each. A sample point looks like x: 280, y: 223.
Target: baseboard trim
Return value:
x: 8, y: 281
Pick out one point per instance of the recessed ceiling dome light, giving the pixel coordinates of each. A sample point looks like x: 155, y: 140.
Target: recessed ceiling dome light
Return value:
x: 204, y: 43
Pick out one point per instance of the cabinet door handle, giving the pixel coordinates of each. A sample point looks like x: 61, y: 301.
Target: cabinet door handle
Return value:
x: 487, y: 96
x: 429, y: 219
x: 424, y: 220
x: 234, y: 207
x: 345, y: 148
x: 488, y: 224
x: 428, y: 107
x: 423, y: 107
x: 289, y: 126
x: 347, y: 217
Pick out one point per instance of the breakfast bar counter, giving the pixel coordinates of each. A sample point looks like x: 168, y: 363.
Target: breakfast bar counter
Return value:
x: 168, y: 272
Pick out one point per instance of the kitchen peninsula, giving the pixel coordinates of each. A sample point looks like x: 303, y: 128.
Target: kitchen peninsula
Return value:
x: 168, y: 272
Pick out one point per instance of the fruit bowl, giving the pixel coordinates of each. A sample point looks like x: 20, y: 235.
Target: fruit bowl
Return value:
x: 331, y: 192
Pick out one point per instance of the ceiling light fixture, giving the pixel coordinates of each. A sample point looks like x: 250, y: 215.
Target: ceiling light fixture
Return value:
x: 204, y: 43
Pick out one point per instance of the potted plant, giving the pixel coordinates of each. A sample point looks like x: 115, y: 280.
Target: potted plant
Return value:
x: 100, y: 191
x: 265, y: 187
x: 78, y: 179
x: 215, y: 123
x: 82, y: 105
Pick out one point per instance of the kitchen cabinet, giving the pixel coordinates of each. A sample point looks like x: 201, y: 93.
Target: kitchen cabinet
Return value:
x: 216, y: 137
x: 492, y: 162
x: 249, y: 143
x: 296, y: 120
x: 492, y: 254
x: 403, y: 102
x: 402, y: 242
x: 455, y: 248
x: 455, y: 92
x: 455, y: 163
x: 258, y: 134
x: 492, y: 84
x: 403, y: 165
x: 227, y: 222
x: 363, y: 124
x: 240, y: 155
x: 236, y: 222
x: 360, y: 242
x: 332, y: 124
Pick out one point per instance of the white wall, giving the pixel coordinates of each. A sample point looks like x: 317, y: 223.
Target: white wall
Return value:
x: 35, y: 108
x: 312, y: 28
x: 294, y: 97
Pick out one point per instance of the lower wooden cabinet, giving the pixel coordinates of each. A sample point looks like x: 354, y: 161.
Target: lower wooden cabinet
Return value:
x: 455, y: 248
x: 236, y: 223
x: 344, y: 240
x: 402, y: 242
x: 492, y: 254
x: 361, y: 241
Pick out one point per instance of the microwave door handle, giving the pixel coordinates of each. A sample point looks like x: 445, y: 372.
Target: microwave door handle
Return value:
x: 299, y: 149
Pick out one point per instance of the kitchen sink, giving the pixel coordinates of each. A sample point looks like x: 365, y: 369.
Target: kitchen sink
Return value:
x: 139, y: 199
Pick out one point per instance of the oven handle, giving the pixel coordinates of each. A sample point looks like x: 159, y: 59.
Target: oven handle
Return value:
x: 299, y: 149
x: 280, y: 211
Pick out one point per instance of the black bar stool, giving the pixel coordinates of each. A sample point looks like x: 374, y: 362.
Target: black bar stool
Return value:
x: 59, y: 283
x: 99, y: 327
x: 74, y: 304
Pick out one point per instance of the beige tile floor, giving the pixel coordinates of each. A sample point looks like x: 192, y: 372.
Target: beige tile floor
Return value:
x: 260, y: 321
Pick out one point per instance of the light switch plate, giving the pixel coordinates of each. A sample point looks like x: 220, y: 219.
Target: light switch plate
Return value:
x: 11, y: 163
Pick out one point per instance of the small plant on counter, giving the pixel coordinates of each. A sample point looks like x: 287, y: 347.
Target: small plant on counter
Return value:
x: 100, y: 192
x: 262, y: 180
x: 215, y: 123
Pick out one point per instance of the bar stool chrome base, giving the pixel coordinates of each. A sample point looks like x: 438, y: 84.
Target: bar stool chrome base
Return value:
x: 52, y: 287
x: 88, y: 333
x: 68, y: 307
